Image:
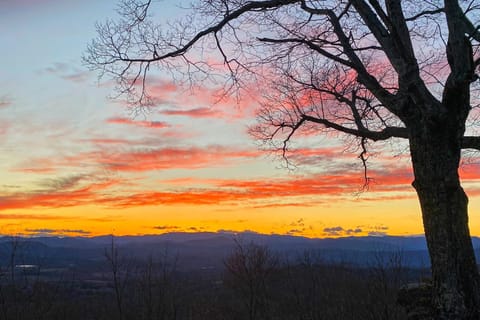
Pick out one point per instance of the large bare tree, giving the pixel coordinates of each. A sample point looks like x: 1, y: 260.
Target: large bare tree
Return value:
x: 371, y: 69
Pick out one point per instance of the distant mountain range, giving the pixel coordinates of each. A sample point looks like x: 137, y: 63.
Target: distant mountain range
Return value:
x: 208, y: 250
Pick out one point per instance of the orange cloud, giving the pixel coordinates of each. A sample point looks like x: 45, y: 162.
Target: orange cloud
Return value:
x: 65, y: 192
x: 245, y: 191
x: 4, y: 216
x: 75, y: 191
x: 393, y: 184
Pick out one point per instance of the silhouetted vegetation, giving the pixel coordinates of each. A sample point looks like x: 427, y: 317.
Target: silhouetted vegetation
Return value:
x: 255, y: 283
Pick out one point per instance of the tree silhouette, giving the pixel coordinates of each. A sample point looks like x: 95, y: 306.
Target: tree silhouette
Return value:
x: 373, y: 70
x: 248, y: 269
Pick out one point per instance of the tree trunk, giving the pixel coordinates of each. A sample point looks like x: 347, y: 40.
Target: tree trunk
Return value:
x: 435, y: 150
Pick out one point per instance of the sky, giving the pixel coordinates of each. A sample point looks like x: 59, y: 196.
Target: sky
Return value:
x: 75, y: 161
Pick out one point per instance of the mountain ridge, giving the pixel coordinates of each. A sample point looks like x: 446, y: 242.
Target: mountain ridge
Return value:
x: 211, y: 248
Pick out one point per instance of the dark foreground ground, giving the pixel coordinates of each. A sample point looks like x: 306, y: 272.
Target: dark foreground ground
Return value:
x: 207, y: 276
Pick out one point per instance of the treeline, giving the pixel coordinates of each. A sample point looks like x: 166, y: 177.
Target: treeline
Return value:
x: 256, y: 284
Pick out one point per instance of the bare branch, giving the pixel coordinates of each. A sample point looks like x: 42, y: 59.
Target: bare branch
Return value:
x: 424, y: 13
x: 250, y: 6
x: 385, y: 134
x: 312, y: 46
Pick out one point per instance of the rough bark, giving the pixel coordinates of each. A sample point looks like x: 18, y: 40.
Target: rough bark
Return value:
x: 435, y: 151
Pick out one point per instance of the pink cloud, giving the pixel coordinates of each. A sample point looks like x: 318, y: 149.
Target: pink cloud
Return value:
x: 173, y: 158
x: 39, y: 165
x: 128, y: 157
x: 147, y: 124
x: 201, y: 112
x: 200, y: 101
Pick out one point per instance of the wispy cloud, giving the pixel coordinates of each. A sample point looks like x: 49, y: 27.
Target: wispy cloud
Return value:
x: 106, y: 141
x: 131, y: 156
x: 11, y: 216
x: 200, y: 101
x: 139, y: 123
x: 306, y: 190
x: 202, y: 112
x: 166, y: 228
x: 58, y: 193
x: 49, y: 232
x: 299, y: 191
x: 62, y: 183
x: 5, y: 102
x: 41, y: 170
x: 67, y: 72
x: 165, y: 158
x: 37, y: 165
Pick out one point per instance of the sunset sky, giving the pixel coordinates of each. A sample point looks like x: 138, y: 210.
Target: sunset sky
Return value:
x: 76, y: 162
